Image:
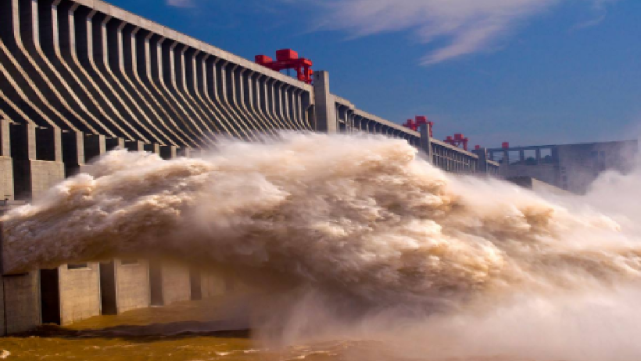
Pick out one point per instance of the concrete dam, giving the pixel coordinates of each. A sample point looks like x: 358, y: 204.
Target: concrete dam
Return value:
x: 80, y: 78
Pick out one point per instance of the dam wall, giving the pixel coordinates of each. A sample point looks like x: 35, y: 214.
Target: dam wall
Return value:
x: 81, y: 77
x: 85, y: 66
x: 350, y: 119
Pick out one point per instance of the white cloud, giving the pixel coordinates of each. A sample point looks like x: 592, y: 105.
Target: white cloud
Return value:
x: 590, y: 23
x: 466, y: 26
x: 180, y: 3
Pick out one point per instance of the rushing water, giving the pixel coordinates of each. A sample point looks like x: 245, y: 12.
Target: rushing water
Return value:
x: 359, y: 242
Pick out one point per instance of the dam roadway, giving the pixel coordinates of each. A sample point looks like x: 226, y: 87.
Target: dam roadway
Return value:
x: 80, y: 78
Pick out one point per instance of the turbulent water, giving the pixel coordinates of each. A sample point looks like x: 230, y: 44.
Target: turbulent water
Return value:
x: 348, y: 225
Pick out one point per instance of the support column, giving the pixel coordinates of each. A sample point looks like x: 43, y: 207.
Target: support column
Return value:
x: 37, y: 166
x: 37, y: 160
x: 325, y: 109
x: 168, y: 152
x: 426, y: 142
x: 73, y: 152
x: 19, y: 299
x: 134, y: 146
x: 184, y: 152
x: 170, y: 282
x: 152, y: 148
x: 95, y: 146
x: 482, y: 162
x: 21, y: 302
x: 124, y: 285
x: 6, y: 163
x: 79, y: 291
x: 115, y: 143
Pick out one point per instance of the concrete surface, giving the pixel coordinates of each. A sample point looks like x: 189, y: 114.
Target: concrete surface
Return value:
x: 21, y: 302
x: 79, y: 293
x: 169, y: 281
x: 6, y: 178
x: 572, y: 167
x: 124, y: 285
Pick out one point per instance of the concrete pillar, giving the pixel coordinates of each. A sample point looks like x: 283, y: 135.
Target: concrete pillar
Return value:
x: 79, y: 292
x: 134, y: 145
x: 538, y: 156
x: 482, y: 161
x: 20, y: 301
x: 37, y: 165
x: 521, y: 156
x: 70, y: 293
x: 6, y: 163
x: 5, y: 140
x: 23, y: 141
x: 124, y: 285
x: 426, y: 142
x: 168, y: 152
x: 37, y: 159
x: 207, y: 283
x: 152, y: 148
x: 114, y: 143
x: 184, y: 152
x: 49, y: 144
x: 325, y: 109
x: 73, y: 152
x: 170, y: 282
x: 95, y: 146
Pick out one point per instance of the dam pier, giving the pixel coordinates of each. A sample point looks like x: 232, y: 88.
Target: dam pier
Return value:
x: 79, y: 78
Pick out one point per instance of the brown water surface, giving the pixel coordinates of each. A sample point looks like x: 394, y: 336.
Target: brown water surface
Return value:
x: 186, y: 331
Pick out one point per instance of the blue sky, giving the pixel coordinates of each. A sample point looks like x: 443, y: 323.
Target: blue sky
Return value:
x: 524, y: 71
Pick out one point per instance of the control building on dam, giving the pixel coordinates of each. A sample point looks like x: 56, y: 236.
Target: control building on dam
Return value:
x: 81, y: 77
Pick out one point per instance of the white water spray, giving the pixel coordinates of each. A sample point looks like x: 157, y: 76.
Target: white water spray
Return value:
x: 360, y: 217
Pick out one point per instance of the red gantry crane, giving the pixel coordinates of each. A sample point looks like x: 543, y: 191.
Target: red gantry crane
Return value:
x: 288, y: 59
x: 415, y: 124
x: 458, y: 140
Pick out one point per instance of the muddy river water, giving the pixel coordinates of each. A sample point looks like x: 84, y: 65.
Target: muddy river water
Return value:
x: 187, y: 331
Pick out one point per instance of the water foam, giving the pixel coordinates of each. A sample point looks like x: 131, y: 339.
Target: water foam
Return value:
x: 364, y: 216
x: 501, y: 270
